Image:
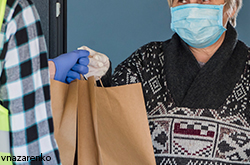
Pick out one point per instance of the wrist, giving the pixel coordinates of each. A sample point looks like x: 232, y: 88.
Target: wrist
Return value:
x: 52, y: 69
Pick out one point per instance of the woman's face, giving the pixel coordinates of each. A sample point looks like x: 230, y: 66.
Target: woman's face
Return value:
x: 206, y: 2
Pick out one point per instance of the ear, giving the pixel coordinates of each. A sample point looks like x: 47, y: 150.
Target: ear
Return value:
x: 232, y: 12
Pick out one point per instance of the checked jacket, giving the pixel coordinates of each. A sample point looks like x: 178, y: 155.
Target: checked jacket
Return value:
x: 25, y: 85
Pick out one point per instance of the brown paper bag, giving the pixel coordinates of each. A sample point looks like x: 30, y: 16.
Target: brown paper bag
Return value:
x: 64, y: 100
x: 112, y: 124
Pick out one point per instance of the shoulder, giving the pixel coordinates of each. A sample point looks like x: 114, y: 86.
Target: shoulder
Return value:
x: 146, y: 53
x: 150, y: 49
x: 242, y: 49
x: 134, y: 67
x: 18, y: 15
x: 22, y: 30
x: 13, y: 7
x: 21, y: 17
x: 16, y: 8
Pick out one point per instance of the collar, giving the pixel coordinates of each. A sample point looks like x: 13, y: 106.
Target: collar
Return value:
x: 209, y: 86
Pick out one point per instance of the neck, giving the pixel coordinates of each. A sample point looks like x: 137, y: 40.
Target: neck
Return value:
x: 204, y: 54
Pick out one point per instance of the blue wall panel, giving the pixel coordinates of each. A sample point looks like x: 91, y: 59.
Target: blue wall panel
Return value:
x: 118, y: 28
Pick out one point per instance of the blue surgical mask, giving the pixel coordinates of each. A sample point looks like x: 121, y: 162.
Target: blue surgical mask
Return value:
x: 198, y: 25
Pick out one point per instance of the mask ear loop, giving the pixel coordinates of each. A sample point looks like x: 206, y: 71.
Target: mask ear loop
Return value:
x: 228, y: 13
x: 230, y: 10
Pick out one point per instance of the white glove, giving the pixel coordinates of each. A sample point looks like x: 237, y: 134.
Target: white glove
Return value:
x: 98, y: 63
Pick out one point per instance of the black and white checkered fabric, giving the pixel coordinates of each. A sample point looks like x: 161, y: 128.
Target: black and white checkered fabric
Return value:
x: 25, y: 84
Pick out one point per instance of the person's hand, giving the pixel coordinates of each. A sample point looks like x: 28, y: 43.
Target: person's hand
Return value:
x: 98, y: 63
x: 67, y: 63
x: 81, y: 67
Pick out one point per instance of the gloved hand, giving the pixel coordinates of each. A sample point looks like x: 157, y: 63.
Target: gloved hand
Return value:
x: 98, y: 63
x: 65, y: 62
x: 81, y: 67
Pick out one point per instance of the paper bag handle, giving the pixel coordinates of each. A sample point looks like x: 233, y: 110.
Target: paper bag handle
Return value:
x: 101, y: 82
x: 84, y: 78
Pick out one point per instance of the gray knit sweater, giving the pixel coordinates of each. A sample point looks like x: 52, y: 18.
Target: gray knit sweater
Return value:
x: 197, y: 116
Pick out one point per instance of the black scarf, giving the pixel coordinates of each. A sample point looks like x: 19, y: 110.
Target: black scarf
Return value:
x: 207, y: 87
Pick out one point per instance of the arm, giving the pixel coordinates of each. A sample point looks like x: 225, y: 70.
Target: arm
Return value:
x: 52, y: 69
x: 138, y: 67
x: 25, y: 84
x: 129, y: 71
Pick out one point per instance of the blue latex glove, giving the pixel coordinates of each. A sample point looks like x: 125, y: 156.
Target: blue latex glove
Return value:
x: 65, y: 62
x: 80, y: 67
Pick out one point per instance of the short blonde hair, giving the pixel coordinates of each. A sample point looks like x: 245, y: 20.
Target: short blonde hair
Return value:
x: 230, y: 4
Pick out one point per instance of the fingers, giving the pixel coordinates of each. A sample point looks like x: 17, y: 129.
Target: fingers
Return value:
x: 97, y: 57
x: 75, y: 72
x: 91, y: 52
x: 80, y: 69
x: 82, y: 53
x: 96, y: 72
x: 95, y: 63
x: 98, y: 60
x: 98, y: 63
x: 83, y: 61
x: 72, y: 75
x: 69, y: 79
x: 101, y: 57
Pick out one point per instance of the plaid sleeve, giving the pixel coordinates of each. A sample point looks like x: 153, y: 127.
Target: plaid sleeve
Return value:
x: 25, y: 85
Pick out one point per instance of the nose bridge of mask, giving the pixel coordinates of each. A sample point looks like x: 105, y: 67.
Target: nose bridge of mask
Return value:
x: 196, y: 11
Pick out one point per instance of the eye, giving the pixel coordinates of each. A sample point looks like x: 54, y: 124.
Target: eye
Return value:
x: 183, y: 1
x: 205, y: 1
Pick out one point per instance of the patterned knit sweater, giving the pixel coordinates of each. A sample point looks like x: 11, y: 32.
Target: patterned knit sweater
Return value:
x: 197, y: 116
